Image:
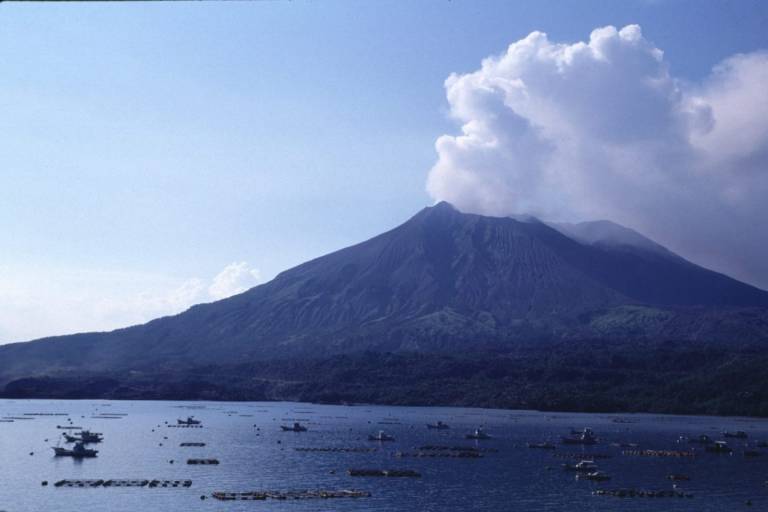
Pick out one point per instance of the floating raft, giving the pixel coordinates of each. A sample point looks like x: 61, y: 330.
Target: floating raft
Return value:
x: 440, y: 448
x: 289, y: 495
x: 641, y: 493
x: 659, y: 453
x: 203, y: 461
x: 46, y: 414
x: 337, y: 450
x: 581, y: 455
x: 442, y: 454
x: 191, y: 444
x: 124, y: 483
x: 184, y: 426
x: 385, y: 472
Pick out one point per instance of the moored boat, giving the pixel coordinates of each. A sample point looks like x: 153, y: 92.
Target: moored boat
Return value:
x: 584, y: 466
x: 719, y: 447
x: 438, y: 426
x: 85, y: 437
x: 586, y: 437
x: 296, y: 427
x: 381, y: 436
x: 79, y: 451
x: 478, y: 434
x: 189, y: 421
x: 597, y: 476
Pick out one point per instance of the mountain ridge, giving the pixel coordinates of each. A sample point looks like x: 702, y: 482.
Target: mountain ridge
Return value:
x: 442, y: 281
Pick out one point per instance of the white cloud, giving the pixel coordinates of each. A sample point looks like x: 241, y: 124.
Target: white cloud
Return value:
x: 235, y: 278
x: 37, y: 302
x: 601, y: 129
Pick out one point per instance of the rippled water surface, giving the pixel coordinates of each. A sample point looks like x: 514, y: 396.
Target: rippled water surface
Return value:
x: 256, y: 455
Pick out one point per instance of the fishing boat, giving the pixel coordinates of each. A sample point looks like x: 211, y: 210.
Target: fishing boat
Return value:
x: 438, y: 426
x: 585, y: 466
x: 586, y: 437
x: 719, y: 447
x: 296, y: 427
x: 478, y: 434
x: 596, y: 476
x: 739, y: 434
x: 381, y: 436
x: 189, y: 421
x: 85, y: 437
x: 702, y: 439
x: 79, y: 451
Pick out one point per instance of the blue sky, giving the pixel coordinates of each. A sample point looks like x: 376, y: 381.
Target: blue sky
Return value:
x: 148, y: 147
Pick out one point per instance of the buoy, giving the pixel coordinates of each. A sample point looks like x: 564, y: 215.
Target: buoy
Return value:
x: 45, y: 482
x: 202, y: 497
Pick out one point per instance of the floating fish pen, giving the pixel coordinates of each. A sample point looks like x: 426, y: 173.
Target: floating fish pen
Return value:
x: 79, y: 483
x: 183, y: 445
x: 184, y: 426
x: 407, y: 473
x: 442, y: 454
x: 659, y: 453
x: 29, y: 418
x: 124, y: 483
x: 203, y: 461
x: 641, y: 493
x: 289, y: 495
x: 46, y: 414
x: 439, y: 448
x: 169, y: 483
x: 581, y: 455
x: 337, y: 450
x: 71, y: 427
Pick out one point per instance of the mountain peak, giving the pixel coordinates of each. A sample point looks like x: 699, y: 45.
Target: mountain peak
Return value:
x: 442, y: 281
